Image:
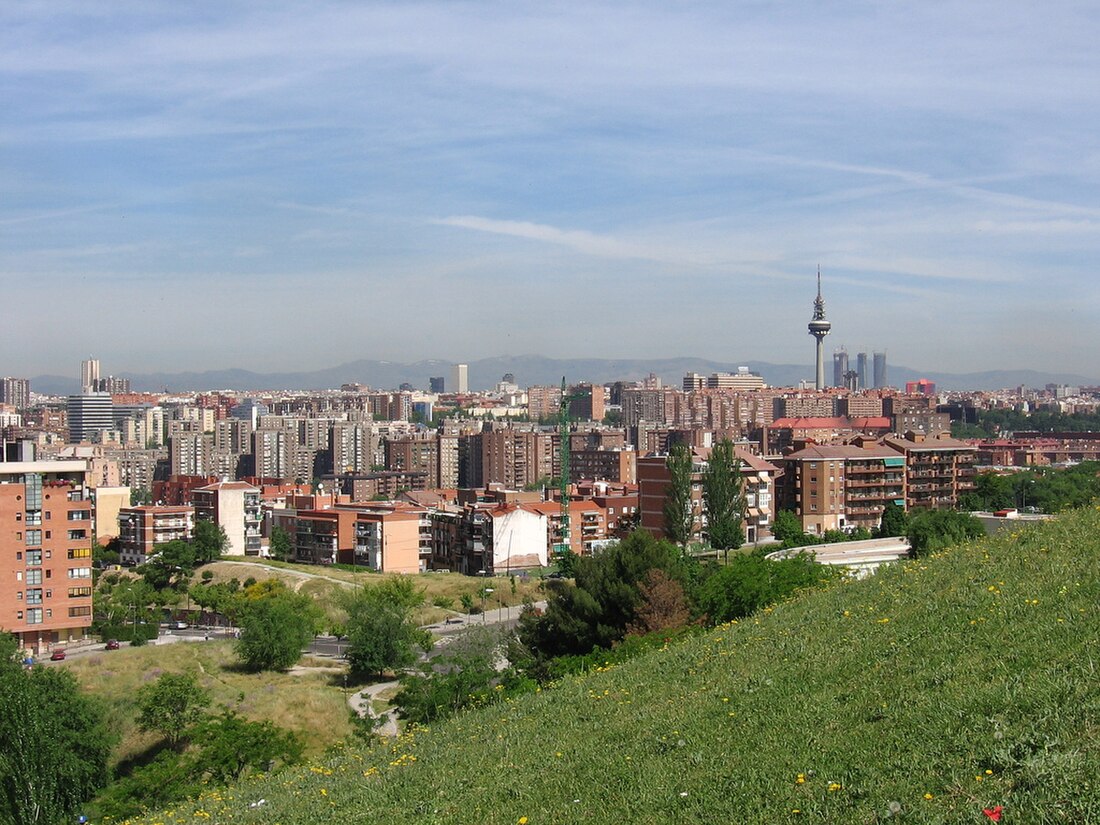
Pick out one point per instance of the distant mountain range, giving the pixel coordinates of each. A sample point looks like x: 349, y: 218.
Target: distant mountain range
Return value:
x: 535, y: 369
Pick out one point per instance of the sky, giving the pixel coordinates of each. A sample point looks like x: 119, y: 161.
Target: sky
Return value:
x: 288, y: 186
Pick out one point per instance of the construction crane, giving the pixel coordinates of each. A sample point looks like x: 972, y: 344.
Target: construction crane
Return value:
x: 565, y: 536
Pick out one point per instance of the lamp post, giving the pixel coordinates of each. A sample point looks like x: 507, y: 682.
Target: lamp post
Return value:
x: 485, y: 591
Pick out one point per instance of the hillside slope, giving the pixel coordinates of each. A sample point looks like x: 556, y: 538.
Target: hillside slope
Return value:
x: 929, y: 692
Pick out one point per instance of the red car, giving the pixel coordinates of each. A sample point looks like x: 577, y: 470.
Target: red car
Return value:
x: 112, y: 644
x: 57, y: 656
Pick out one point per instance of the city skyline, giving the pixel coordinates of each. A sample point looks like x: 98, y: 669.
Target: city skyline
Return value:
x: 288, y: 188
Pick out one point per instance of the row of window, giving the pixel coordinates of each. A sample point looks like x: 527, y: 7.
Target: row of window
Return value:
x: 34, y: 557
x: 36, y: 594
x: 34, y: 537
x: 37, y: 516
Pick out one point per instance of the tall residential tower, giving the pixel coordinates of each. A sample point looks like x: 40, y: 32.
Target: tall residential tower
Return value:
x: 819, y: 328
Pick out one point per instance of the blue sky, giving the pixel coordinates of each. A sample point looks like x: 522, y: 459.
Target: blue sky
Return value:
x: 290, y: 186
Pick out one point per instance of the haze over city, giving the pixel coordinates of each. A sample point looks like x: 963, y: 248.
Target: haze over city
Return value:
x: 299, y: 185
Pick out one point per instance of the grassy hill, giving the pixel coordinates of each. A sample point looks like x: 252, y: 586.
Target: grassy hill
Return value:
x: 924, y: 694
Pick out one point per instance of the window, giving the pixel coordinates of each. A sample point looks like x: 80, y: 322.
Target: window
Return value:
x: 34, y: 577
x: 76, y: 535
x: 34, y: 615
x: 80, y: 553
x: 34, y: 538
x: 34, y: 558
x: 34, y: 596
x: 47, y: 534
x: 46, y: 515
x: 79, y: 592
x: 79, y: 515
x: 75, y: 612
x: 80, y: 573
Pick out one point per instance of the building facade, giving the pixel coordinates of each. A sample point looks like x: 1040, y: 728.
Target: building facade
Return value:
x: 45, y: 552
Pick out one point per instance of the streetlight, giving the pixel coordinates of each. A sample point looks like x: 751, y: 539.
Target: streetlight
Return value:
x: 485, y: 591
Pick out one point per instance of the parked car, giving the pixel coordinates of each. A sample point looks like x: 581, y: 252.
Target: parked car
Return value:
x: 181, y: 625
x: 112, y: 644
x: 58, y: 655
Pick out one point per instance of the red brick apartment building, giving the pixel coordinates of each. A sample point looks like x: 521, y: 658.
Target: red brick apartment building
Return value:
x: 45, y: 552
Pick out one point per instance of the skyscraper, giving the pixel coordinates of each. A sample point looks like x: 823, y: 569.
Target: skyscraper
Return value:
x: 436, y: 384
x: 89, y: 375
x: 880, y: 369
x: 459, y: 378
x: 861, y: 370
x: 840, y: 366
x: 819, y: 328
x: 15, y: 391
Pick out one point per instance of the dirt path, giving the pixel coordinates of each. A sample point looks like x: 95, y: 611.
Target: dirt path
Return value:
x: 362, y: 703
x: 302, y: 577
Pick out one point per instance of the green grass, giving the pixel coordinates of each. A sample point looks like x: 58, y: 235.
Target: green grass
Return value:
x: 923, y: 694
x: 309, y: 702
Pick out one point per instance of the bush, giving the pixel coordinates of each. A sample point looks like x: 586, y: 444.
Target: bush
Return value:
x: 751, y: 582
x: 933, y: 530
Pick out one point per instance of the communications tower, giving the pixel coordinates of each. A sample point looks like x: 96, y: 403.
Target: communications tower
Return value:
x: 819, y: 327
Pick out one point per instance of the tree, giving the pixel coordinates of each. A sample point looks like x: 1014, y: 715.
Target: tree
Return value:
x: 933, y: 530
x: 381, y: 632
x: 463, y: 676
x: 210, y: 541
x: 171, y: 705
x: 894, y: 521
x: 788, y: 529
x: 139, y: 496
x: 661, y: 605
x: 231, y: 745
x: 596, y: 610
x: 54, y: 744
x: 276, y: 624
x: 724, y: 499
x: 281, y: 546
x: 171, y: 564
x: 679, y: 518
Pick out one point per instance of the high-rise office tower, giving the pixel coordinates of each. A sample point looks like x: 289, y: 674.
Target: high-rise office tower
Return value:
x: 880, y: 369
x: 89, y: 414
x: 89, y: 375
x: 436, y: 384
x: 840, y: 366
x: 460, y: 378
x: 861, y: 370
x: 819, y: 328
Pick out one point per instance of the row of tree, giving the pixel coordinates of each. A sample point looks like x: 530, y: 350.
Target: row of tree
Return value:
x: 722, y: 493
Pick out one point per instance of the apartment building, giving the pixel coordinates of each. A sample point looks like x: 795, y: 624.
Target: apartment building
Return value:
x: 937, y: 470
x: 758, y: 478
x: 382, y: 539
x: 141, y: 529
x: 45, y: 552
x: 841, y: 487
x: 235, y: 506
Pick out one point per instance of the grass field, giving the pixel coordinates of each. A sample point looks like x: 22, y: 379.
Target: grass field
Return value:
x: 309, y: 701
x: 321, y: 586
x: 926, y: 693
